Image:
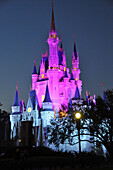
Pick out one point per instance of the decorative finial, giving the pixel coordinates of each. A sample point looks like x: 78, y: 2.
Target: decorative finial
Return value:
x: 17, y: 86
x: 34, y: 63
x: 74, y: 38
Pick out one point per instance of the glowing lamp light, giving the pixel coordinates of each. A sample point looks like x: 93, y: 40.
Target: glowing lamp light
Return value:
x: 78, y: 115
x: 29, y: 109
x: 19, y: 140
x: 76, y: 79
x: 64, y: 69
x: 43, y: 96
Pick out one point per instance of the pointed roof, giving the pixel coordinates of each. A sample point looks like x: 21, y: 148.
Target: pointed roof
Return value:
x: 77, y: 94
x: 52, y: 28
x: 29, y: 103
x: 16, y: 101
x: 47, y: 96
x: 75, y: 52
x: 34, y: 69
x: 104, y: 97
x: 33, y: 98
x: 72, y: 78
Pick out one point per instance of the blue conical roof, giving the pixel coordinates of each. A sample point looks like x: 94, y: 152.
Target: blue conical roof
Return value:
x: 34, y: 69
x: 104, y: 97
x: 66, y: 74
x: 77, y: 94
x: 16, y: 101
x: 75, y: 52
x: 72, y: 78
x: 29, y: 103
x: 87, y: 99
x: 47, y: 96
x: 33, y: 98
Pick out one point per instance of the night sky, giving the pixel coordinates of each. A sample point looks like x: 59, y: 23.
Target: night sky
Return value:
x: 24, y: 29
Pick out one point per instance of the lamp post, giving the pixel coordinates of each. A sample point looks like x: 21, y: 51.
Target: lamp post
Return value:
x: 78, y: 117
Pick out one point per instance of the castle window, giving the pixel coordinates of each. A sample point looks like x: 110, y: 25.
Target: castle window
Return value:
x: 42, y: 70
x: 42, y: 76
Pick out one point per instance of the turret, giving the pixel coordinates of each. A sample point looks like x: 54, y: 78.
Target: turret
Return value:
x: 15, y: 116
x: 75, y: 63
x: 16, y: 105
x: 47, y: 103
x: 29, y: 107
x: 75, y: 68
x: 34, y: 77
x: 42, y: 69
x: 47, y: 113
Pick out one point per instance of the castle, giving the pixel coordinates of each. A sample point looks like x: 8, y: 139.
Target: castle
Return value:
x: 52, y: 87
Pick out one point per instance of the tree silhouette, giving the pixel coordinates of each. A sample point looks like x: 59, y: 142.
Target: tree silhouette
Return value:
x: 96, y: 122
x: 101, y: 121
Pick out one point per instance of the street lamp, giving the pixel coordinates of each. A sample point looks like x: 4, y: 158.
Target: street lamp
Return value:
x: 78, y: 117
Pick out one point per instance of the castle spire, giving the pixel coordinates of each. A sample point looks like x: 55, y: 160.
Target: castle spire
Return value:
x: 16, y: 101
x: 52, y: 28
x: 75, y: 52
x: 47, y: 95
x: 77, y: 94
x: 34, y: 69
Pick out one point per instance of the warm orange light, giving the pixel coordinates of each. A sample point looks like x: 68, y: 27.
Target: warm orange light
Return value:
x: 29, y: 109
x: 42, y: 69
x: 54, y: 35
x: 63, y: 114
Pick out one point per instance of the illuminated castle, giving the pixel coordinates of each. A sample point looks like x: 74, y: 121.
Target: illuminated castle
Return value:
x: 52, y: 87
x: 54, y: 73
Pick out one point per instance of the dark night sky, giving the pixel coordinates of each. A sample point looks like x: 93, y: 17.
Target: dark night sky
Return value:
x: 24, y: 28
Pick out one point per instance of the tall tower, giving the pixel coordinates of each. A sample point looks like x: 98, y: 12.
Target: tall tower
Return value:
x: 53, y: 41
x: 53, y: 71
x: 15, y: 116
x: 16, y: 105
x: 75, y: 68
